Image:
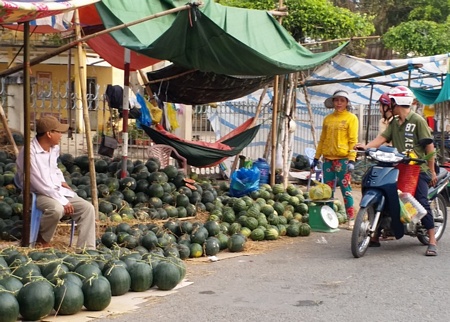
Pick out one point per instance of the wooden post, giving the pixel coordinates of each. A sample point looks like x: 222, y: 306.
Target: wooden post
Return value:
x: 125, y: 109
x: 87, y: 125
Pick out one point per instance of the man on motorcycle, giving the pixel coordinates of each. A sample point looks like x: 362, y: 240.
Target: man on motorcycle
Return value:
x: 405, y: 132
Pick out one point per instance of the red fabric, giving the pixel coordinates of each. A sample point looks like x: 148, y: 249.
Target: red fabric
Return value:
x: 113, y: 53
x: 89, y: 16
x: 431, y: 122
x: 241, y: 128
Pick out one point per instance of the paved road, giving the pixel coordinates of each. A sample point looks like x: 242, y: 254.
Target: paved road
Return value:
x: 313, y: 279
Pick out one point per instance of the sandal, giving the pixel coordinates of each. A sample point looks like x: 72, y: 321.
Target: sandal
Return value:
x: 431, y: 250
x: 351, y: 224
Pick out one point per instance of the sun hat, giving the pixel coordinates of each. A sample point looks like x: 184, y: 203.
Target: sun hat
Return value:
x: 338, y: 93
x: 50, y: 123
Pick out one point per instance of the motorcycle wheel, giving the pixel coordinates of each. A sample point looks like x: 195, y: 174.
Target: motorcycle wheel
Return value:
x: 361, y: 231
x: 439, y: 210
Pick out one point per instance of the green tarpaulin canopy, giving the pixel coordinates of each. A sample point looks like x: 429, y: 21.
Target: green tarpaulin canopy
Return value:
x: 210, y: 37
x: 433, y: 96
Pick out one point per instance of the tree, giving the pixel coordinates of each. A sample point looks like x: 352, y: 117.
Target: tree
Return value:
x: 317, y: 19
x: 418, y: 38
x: 413, y: 27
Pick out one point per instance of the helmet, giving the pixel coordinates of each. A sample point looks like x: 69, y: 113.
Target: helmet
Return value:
x: 384, y: 99
x: 401, y: 95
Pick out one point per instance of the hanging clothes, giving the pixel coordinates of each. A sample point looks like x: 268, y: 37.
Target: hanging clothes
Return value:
x: 172, y: 116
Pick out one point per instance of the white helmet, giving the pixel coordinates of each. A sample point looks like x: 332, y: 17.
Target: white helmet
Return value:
x: 401, y: 95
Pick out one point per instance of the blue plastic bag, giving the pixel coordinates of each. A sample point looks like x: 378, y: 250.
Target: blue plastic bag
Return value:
x: 145, y: 118
x: 244, y: 181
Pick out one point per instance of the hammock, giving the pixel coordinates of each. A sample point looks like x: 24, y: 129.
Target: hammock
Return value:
x: 204, y: 154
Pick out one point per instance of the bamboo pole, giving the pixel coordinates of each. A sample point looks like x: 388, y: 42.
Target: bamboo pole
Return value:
x: 74, y: 43
x: 311, y: 116
x: 148, y: 89
x: 26, y: 213
x: 9, y: 136
x: 275, y: 116
x: 287, y: 133
x: 363, y: 79
x: 87, y: 125
x: 273, y: 129
x: 368, y: 115
x: 340, y: 40
x: 170, y: 77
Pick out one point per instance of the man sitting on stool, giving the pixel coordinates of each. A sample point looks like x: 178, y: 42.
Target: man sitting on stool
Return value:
x: 53, y: 195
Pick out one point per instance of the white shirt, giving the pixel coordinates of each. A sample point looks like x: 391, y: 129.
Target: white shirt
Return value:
x: 45, y: 176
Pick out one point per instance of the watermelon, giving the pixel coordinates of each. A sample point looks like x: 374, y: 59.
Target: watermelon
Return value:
x: 212, y: 246
x: 305, y: 229
x: 119, y: 279
x: 9, y: 307
x: 271, y: 234
x: 69, y: 298
x: 101, y: 166
x: 167, y: 275
x: 236, y: 242
x: 196, y: 250
x: 257, y: 234
x: 37, y: 291
x: 97, y: 293
x: 212, y: 227
x: 223, y: 240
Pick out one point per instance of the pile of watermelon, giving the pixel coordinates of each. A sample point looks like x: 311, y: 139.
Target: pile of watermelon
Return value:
x: 266, y: 214
x: 51, y: 281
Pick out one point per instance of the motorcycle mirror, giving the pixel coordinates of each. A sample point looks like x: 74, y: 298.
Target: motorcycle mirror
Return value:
x: 424, y: 142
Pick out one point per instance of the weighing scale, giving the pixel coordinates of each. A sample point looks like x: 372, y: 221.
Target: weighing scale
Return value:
x: 322, y: 217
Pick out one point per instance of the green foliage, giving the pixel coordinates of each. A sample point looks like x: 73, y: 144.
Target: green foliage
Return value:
x: 317, y: 19
x: 431, y: 10
x: 389, y: 13
x: 418, y: 38
x: 320, y: 19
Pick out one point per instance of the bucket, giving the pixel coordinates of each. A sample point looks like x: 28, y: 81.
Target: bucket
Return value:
x: 264, y: 170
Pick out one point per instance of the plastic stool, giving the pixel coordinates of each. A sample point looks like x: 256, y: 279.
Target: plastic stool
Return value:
x: 35, y: 223
x: 36, y: 215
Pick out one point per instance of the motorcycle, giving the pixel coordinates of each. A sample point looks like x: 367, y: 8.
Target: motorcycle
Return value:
x: 442, y: 148
x: 379, y: 211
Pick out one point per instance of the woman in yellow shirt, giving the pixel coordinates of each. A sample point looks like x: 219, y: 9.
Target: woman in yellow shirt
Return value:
x: 338, y: 137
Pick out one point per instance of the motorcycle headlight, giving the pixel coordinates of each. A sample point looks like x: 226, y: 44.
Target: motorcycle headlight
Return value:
x: 385, y: 156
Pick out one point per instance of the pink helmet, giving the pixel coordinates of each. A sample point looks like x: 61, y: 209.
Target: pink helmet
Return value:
x: 402, y: 95
x: 384, y: 99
